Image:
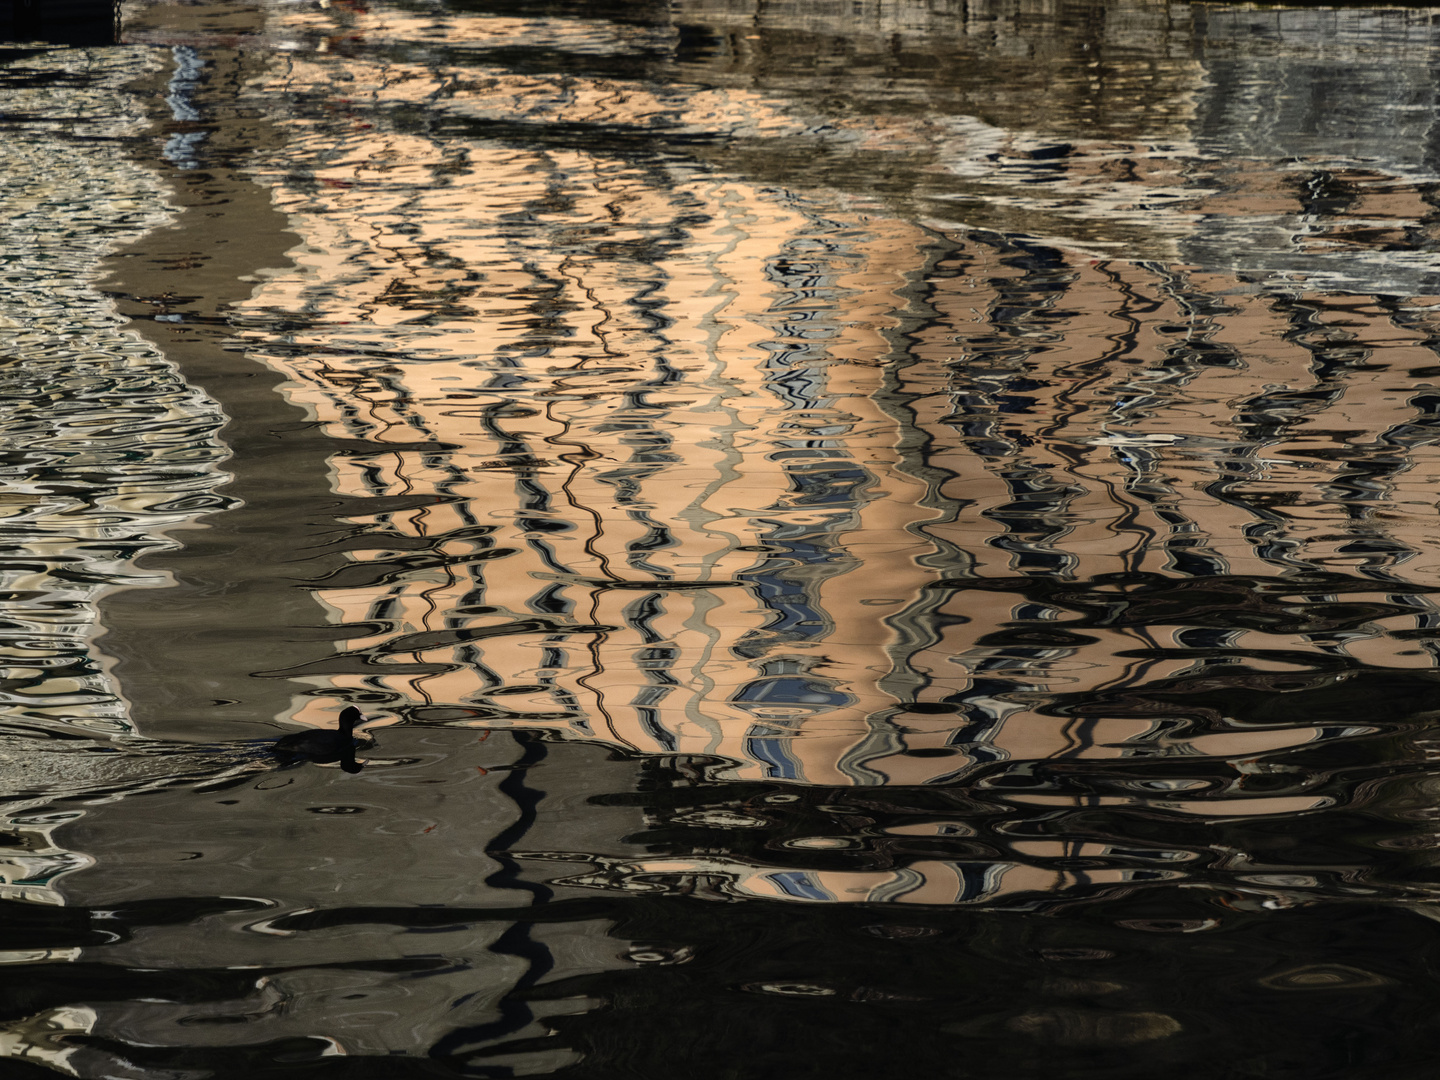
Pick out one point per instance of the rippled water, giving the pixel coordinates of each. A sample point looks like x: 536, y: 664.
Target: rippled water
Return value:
x: 875, y: 539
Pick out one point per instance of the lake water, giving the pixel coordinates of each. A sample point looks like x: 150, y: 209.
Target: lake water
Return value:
x: 882, y: 538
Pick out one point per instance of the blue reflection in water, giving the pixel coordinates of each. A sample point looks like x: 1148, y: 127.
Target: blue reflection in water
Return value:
x: 182, y: 148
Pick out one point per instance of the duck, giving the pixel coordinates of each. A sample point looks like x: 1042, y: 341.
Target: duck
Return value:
x: 323, y: 746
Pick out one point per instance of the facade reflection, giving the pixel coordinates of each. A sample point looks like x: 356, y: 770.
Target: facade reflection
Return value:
x: 786, y: 481
x: 708, y: 457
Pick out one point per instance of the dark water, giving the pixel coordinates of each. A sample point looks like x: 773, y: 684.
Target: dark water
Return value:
x: 876, y: 539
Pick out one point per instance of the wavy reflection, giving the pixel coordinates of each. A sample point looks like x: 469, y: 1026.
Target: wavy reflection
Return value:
x: 911, y: 523
x: 103, y: 446
x: 776, y: 479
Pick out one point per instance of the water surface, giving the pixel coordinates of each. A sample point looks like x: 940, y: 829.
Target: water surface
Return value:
x: 875, y: 539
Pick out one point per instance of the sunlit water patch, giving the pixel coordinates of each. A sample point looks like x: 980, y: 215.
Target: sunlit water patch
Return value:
x: 104, y: 445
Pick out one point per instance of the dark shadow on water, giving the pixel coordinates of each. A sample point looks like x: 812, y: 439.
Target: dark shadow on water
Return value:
x: 61, y: 22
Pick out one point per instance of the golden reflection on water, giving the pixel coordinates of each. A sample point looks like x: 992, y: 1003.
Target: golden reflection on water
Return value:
x: 713, y: 463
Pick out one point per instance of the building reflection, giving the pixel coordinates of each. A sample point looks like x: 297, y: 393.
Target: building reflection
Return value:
x: 729, y: 470
x: 784, y: 481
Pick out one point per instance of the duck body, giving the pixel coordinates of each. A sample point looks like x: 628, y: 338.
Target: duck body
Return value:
x: 323, y: 746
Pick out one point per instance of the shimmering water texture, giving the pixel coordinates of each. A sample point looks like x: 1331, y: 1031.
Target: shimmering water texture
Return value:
x: 872, y: 540
x: 102, y: 442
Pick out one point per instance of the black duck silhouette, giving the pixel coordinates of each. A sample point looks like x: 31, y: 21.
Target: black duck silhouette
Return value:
x: 323, y: 747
